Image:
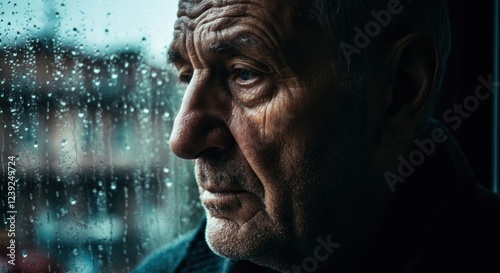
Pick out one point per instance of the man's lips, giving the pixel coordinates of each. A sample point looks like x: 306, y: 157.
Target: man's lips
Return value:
x: 227, y: 202
x: 219, y: 202
x: 221, y: 188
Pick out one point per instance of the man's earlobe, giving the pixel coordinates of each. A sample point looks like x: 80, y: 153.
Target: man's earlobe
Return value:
x: 413, y: 70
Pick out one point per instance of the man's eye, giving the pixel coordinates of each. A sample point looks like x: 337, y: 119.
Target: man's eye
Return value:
x: 245, y: 75
x: 185, y: 78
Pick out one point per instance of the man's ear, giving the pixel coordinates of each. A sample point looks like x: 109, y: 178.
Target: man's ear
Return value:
x: 413, y: 65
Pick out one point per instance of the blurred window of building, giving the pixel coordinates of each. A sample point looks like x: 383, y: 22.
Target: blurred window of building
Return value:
x: 86, y: 107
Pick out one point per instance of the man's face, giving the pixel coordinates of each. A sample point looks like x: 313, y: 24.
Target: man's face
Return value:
x: 274, y: 137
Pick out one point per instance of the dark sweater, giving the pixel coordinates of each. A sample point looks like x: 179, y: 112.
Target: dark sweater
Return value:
x: 440, y: 220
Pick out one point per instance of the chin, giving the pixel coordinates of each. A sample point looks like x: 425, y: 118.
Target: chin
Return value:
x: 256, y: 240
x: 229, y: 239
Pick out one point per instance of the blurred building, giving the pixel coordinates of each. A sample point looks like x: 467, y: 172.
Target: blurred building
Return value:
x: 98, y: 187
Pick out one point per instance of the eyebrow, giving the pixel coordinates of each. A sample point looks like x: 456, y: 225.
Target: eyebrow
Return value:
x: 238, y: 43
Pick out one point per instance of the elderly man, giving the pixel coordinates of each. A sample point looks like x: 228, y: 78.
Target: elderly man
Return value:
x: 303, y: 118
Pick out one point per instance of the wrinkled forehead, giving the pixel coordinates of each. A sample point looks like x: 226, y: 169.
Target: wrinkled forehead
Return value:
x: 193, y: 13
x: 194, y: 8
x: 211, y: 21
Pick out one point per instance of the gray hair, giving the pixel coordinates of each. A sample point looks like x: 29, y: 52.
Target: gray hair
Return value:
x: 339, y: 18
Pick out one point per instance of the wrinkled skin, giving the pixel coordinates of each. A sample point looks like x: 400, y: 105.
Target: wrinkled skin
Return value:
x: 277, y: 141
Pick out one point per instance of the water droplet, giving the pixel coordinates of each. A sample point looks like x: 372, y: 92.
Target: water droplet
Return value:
x: 64, y: 142
x: 113, y: 184
x: 25, y: 253
x: 36, y: 145
x: 166, y: 170
x: 114, y: 76
x: 81, y: 115
x: 97, y: 70
x: 64, y: 211
x: 72, y: 201
x: 146, y: 111
x: 75, y: 252
x: 169, y: 184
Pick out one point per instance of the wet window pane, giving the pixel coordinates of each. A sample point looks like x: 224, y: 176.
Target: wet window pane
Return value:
x: 87, y: 105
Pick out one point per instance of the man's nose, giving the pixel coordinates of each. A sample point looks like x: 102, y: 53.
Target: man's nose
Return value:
x: 201, y: 125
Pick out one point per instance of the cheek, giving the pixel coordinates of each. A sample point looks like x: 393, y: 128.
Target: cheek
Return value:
x: 274, y: 147
x: 265, y: 135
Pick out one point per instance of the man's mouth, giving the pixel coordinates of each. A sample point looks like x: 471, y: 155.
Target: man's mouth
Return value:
x: 221, y: 202
x: 231, y: 202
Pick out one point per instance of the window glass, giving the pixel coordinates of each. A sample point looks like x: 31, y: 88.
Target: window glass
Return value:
x: 87, y: 105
